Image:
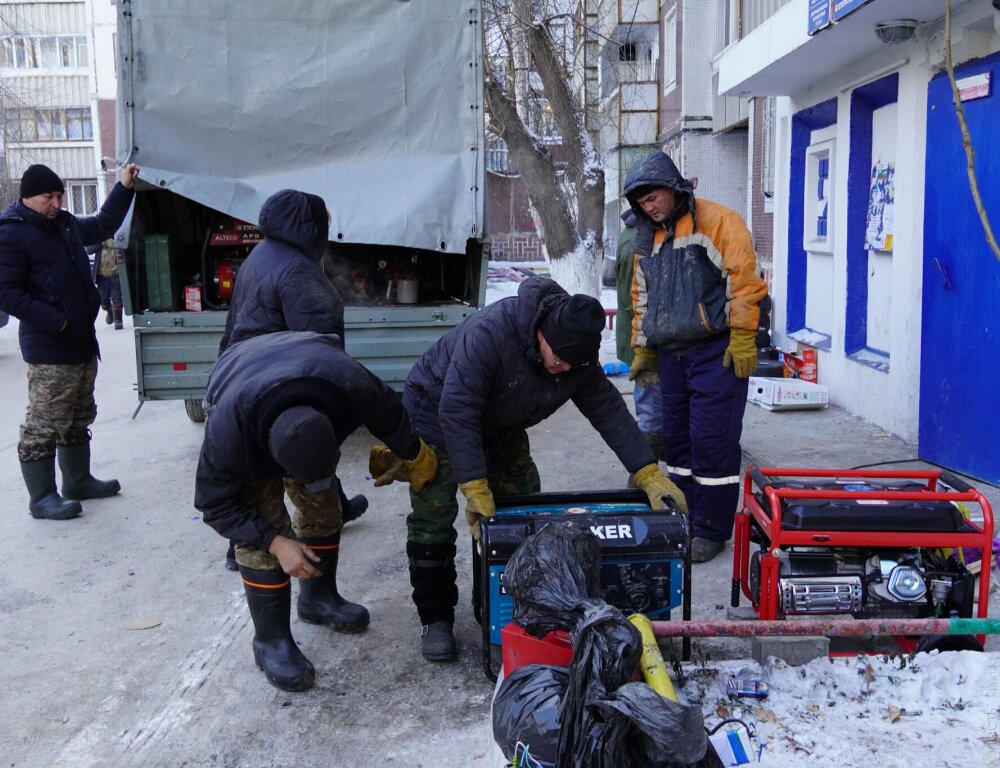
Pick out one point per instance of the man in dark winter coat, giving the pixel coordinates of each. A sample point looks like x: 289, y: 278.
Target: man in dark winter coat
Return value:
x: 472, y: 396
x: 281, y: 287
x: 278, y: 407
x: 695, y: 292
x: 45, y: 282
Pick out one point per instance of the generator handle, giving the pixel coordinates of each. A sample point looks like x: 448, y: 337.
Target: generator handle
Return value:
x: 955, y: 482
x: 758, y: 477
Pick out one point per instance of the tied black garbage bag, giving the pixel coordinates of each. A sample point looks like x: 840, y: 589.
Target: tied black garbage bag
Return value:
x: 526, y: 710
x: 553, y: 577
x: 604, y: 720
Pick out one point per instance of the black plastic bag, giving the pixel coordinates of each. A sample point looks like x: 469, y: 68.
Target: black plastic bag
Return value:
x: 526, y: 709
x: 604, y: 720
x: 553, y: 577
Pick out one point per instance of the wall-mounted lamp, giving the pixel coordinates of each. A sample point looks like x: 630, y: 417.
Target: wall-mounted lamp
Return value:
x: 896, y: 31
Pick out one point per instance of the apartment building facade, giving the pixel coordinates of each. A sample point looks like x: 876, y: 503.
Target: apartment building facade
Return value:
x: 57, y: 94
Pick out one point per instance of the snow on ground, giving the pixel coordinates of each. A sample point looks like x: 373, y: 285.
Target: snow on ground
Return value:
x: 937, y: 709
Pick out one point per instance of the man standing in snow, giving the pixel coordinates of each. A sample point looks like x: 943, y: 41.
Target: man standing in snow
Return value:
x: 695, y: 292
x: 472, y: 396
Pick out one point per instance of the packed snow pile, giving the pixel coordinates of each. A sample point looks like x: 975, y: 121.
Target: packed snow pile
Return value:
x: 937, y: 709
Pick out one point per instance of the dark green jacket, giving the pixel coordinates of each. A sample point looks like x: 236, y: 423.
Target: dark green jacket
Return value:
x: 624, y: 269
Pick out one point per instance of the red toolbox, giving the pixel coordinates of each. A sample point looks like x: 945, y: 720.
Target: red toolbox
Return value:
x: 859, y: 542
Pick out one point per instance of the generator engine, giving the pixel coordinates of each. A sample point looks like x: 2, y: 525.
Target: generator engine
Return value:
x: 868, y: 583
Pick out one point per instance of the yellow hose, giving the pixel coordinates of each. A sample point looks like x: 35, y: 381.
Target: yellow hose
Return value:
x: 654, y: 670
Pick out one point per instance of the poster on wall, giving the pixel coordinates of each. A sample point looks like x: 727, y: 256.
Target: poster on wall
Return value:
x: 878, y: 233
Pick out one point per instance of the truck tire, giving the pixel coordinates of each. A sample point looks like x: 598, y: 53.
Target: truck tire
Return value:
x: 195, y: 411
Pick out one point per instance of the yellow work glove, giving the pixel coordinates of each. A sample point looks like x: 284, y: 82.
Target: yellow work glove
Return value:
x: 659, y: 487
x: 384, y: 466
x: 645, y: 368
x: 741, y: 352
x: 478, y: 504
x: 423, y: 468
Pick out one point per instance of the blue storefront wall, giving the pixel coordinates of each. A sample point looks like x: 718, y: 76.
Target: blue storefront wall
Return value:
x: 959, y: 425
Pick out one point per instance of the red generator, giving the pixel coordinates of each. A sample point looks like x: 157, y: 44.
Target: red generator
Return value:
x: 872, y: 545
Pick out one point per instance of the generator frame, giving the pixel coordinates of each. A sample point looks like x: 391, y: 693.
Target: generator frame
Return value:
x: 776, y: 537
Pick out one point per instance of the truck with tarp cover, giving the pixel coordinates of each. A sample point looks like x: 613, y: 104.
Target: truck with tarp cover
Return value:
x: 375, y: 106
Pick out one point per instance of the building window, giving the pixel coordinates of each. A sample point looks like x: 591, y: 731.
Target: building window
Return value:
x: 44, y: 52
x: 669, y: 50
x: 60, y: 124
x: 81, y: 197
x: 497, y: 155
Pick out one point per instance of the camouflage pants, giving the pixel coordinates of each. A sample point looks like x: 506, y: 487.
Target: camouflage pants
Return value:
x: 434, y: 509
x: 61, y: 408
x: 314, y: 515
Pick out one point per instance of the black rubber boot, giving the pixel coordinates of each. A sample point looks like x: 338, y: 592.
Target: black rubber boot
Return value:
x: 77, y: 482
x: 117, y: 317
x: 269, y: 596
x: 433, y: 577
x: 319, y: 600
x: 231, y: 557
x: 353, y: 508
x: 109, y: 318
x: 44, y: 502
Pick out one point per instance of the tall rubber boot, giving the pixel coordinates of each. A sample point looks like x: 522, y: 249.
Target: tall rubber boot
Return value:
x: 319, y: 600
x: 435, y: 593
x: 77, y: 482
x: 269, y: 596
x: 352, y: 508
x: 44, y: 502
x: 117, y: 316
x: 109, y: 317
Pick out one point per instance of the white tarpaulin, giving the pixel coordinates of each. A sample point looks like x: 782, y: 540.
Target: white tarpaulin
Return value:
x: 375, y: 105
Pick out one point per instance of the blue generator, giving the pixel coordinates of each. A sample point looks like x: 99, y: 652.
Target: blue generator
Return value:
x: 645, y: 555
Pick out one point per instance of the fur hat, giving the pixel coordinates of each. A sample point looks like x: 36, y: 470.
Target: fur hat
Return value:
x: 38, y: 180
x: 573, y: 329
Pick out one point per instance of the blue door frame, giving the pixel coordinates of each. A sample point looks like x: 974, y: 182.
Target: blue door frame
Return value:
x: 960, y: 329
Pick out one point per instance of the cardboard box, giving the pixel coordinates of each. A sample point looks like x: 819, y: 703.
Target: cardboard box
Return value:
x: 787, y: 394
x: 802, y: 364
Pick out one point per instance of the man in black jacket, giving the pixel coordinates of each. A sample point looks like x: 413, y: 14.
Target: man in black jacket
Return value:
x: 45, y: 282
x: 472, y: 396
x: 278, y: 407
x: 282, y: 287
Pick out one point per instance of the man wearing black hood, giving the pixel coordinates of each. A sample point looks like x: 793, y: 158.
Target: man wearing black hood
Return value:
x: 472, y: 396
x: 281, y: 287
x: 278, y: 407
x: 695, y: 292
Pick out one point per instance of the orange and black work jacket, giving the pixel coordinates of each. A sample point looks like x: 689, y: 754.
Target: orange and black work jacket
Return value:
x: 701, y: 279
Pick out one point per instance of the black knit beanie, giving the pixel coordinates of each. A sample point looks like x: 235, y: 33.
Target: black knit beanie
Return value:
x: 38, y: 180
x: 302, y: 441
x: 573, y: 329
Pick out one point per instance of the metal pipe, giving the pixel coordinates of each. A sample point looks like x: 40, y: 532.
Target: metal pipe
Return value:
x: 826, y: 628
